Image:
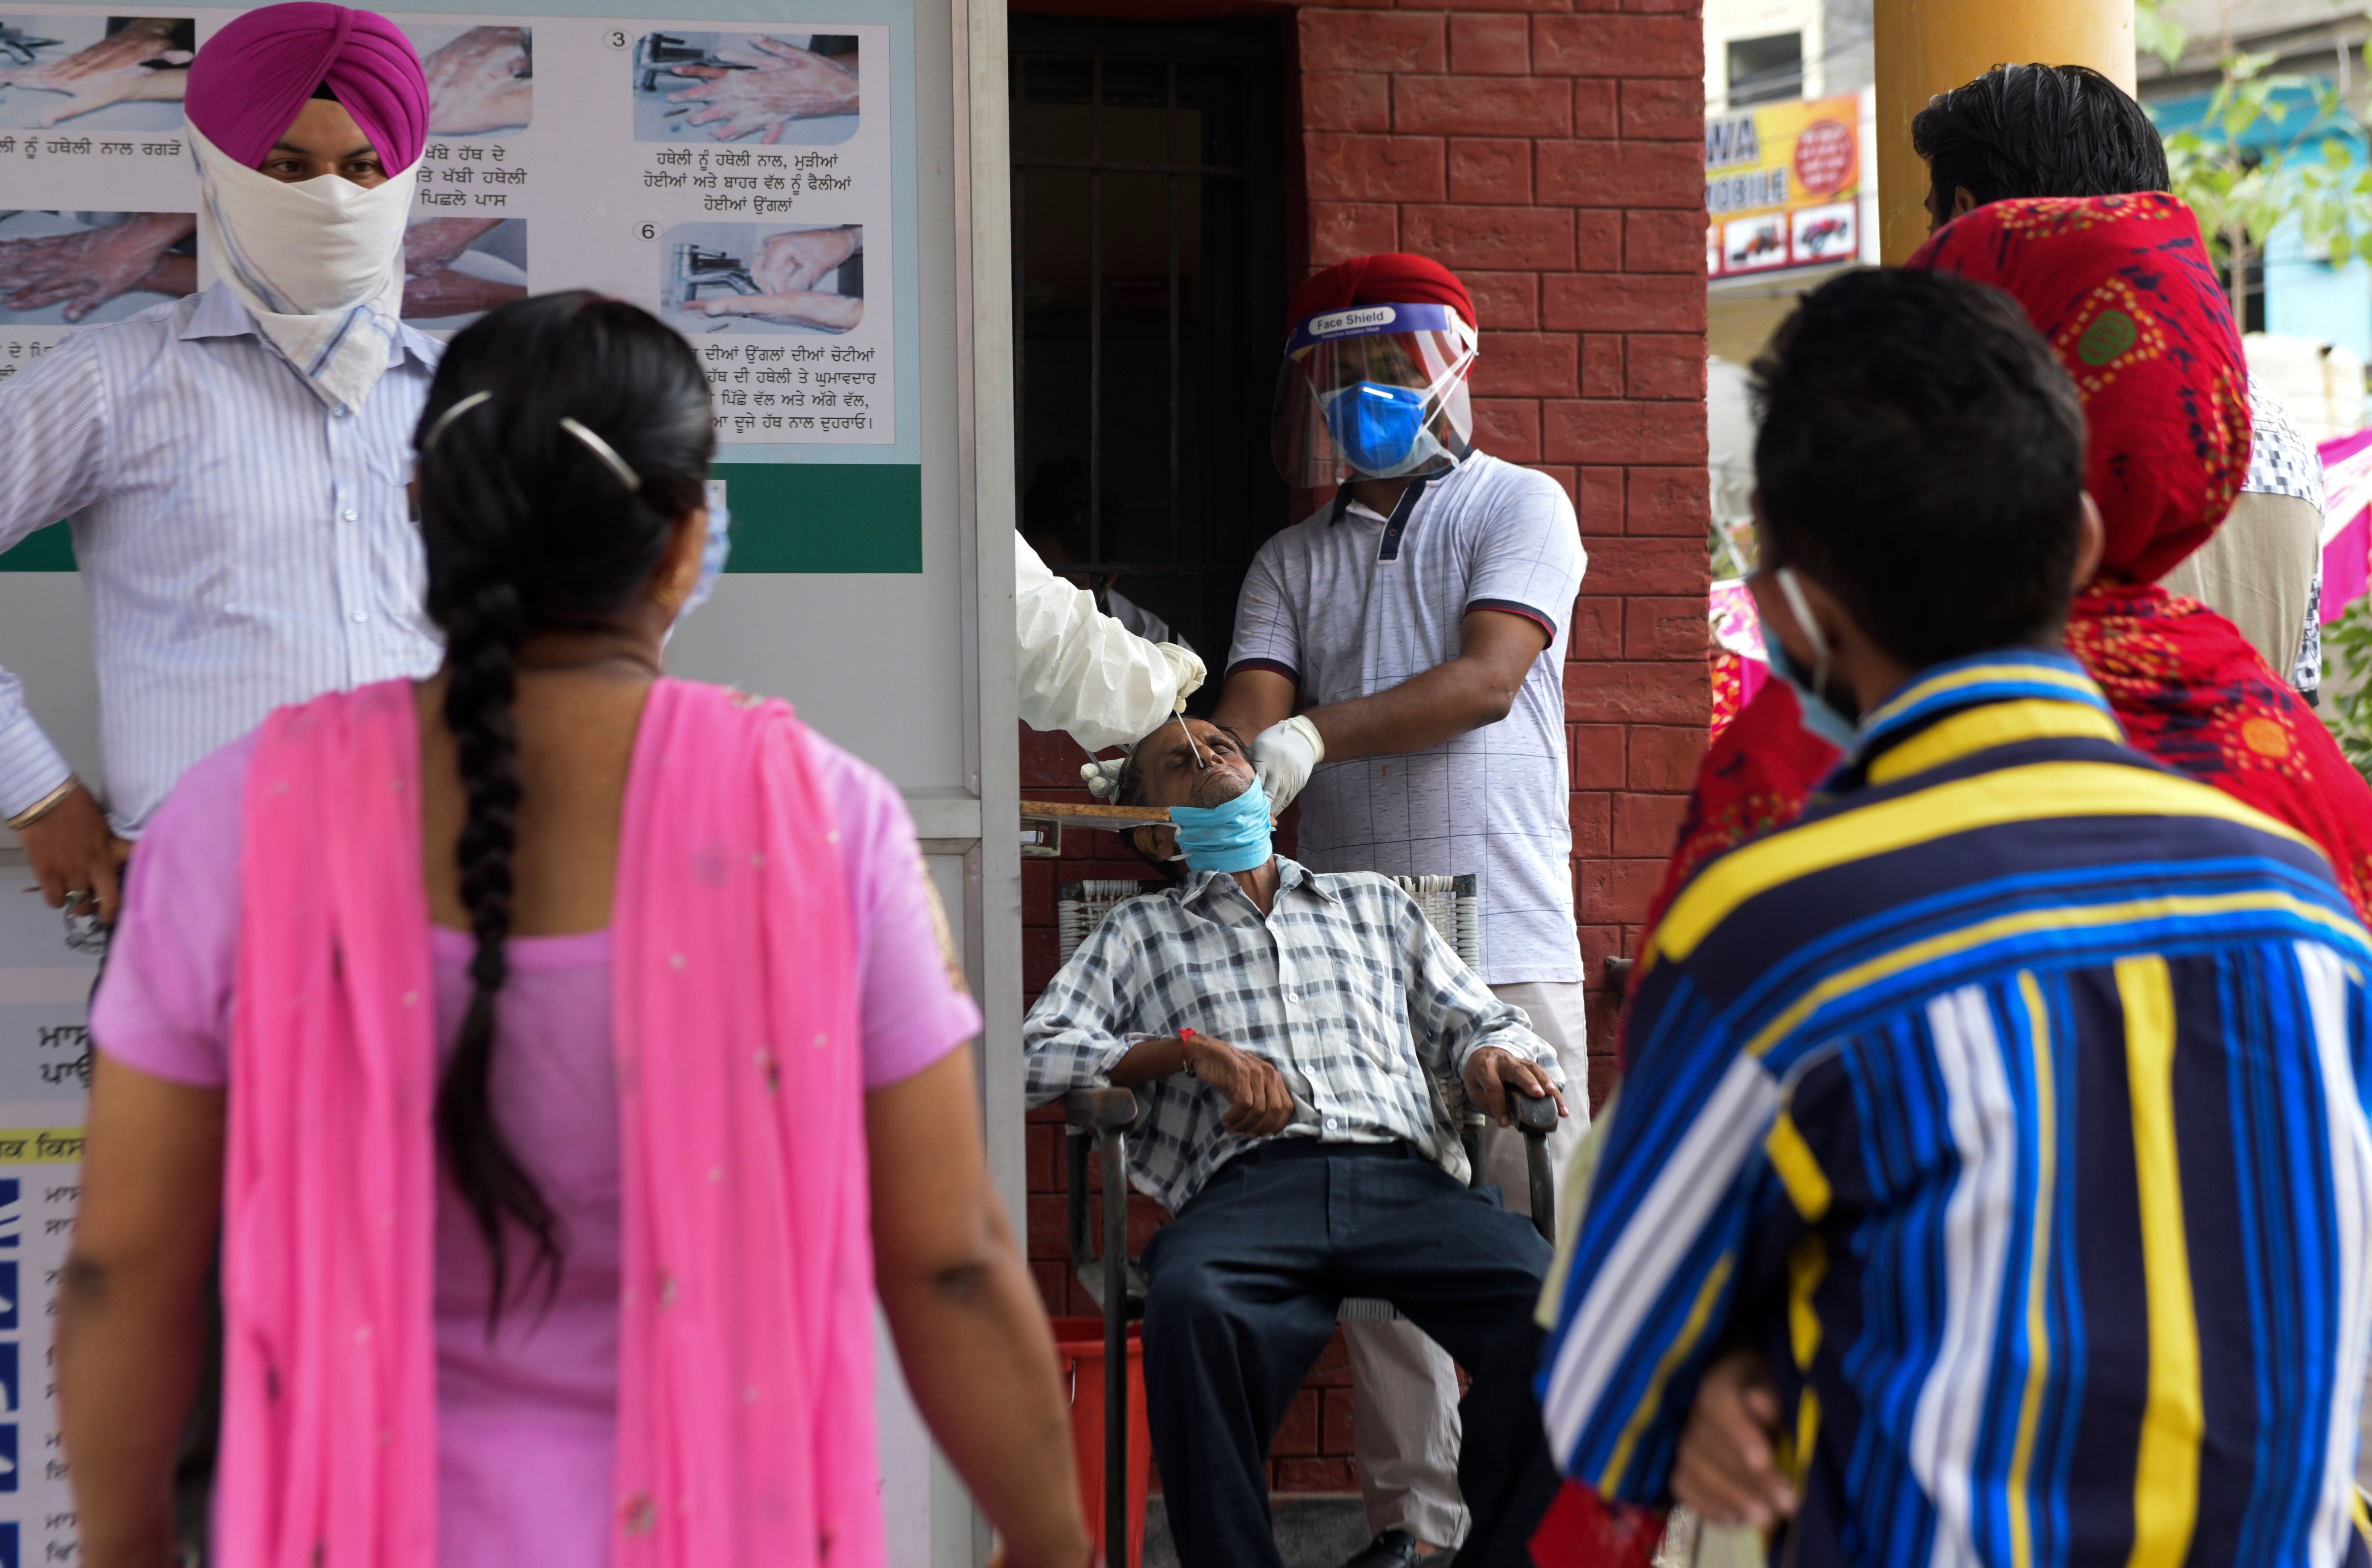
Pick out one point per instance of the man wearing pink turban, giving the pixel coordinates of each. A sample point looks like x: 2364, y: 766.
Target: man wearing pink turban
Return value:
x: 233, y: 464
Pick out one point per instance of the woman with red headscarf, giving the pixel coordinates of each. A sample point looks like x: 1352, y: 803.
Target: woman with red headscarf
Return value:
x: 2123, y: 289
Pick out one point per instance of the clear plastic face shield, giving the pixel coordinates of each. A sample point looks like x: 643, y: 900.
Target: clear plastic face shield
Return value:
x: 1376, y: 391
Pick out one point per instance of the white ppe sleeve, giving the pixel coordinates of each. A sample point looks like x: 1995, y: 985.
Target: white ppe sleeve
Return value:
x: 53, y: 437
x: 1085, y: 673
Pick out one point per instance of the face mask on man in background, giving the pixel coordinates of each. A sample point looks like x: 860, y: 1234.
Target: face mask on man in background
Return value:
x: 1834, y: 717
x: 305, y: 121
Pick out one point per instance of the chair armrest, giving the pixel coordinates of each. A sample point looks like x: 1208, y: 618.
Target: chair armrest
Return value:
x: 1102, y: 1111
x: 1537, y: 1118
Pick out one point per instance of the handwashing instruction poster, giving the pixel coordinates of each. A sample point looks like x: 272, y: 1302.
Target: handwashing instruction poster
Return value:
x: 735, y: 177
x: 44, y: 1076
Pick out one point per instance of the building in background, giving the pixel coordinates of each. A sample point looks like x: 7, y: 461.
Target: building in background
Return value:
x: 2310, y: 324
x: 1791, y: 200
x: 1791, y: 181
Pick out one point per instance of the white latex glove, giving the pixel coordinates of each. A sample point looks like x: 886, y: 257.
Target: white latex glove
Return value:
x: 1080, y: 671
x: 1283, y: 754
x: 1102, y: 779
x: 1188, y: 667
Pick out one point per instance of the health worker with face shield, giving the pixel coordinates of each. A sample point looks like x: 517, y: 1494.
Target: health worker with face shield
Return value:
x: 234, y: 463
x: 1397, y: 660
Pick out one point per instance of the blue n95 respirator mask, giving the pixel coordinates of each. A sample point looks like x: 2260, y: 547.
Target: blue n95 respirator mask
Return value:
x: 1233, y: 836
x: 1376, y: 391
x: 1380, y: 431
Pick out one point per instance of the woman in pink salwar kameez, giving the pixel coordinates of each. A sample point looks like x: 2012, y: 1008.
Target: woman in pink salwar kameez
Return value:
x: 567, y: 1054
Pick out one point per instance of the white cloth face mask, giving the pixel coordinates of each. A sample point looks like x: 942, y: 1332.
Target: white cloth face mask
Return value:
x: 318, y: 264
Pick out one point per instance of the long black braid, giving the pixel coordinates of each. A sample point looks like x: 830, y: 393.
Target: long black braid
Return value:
x: 525, y: 529
x: 481, y: 668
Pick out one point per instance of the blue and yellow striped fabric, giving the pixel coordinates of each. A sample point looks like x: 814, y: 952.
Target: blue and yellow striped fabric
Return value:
x: 2013, y: 1104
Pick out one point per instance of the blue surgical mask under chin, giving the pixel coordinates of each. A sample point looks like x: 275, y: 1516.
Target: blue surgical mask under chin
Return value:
x: 1229, y: 837
x: 1820, y: 716
x: 1381, y: 430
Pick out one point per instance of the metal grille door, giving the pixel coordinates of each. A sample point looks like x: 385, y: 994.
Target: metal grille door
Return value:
x: 1149, y: 281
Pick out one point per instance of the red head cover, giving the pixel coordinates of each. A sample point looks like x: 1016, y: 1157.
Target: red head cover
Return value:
x: 1390, y: 279
x: 251, y: 78
x: 2122, y: 288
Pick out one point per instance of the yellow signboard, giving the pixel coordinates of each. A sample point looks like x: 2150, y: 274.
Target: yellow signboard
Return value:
x: 1783, y: 183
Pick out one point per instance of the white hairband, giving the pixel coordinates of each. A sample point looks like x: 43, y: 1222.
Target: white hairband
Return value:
x: 607, y: 453
x: 428, y: 443
x: 593, y: 442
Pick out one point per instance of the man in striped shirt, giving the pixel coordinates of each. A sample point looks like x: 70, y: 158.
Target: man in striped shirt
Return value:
x: 2006, y: 1115
x: 234, y: 463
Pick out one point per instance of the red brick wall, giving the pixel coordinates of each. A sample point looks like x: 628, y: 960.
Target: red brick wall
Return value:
x: 1553, y: 158
x: 1551, y: 155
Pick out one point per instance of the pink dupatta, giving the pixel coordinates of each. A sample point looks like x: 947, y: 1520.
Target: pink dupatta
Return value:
x: 745, y: 1421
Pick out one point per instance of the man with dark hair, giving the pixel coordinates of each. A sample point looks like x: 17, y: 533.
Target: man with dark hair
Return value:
x: 1134, y: 788
x: 1290, y: 1031
x: 2003, y: 1120
x: 2035, y: 131
x: 2068, y: 131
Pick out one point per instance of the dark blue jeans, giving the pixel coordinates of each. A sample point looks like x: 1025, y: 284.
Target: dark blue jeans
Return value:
x: 1243, y: 1288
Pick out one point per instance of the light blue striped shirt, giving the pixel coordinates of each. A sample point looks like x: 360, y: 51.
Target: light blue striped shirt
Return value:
x: 244, y: 547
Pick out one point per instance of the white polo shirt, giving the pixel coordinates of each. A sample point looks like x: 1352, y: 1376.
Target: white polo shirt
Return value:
x: 1347, y: 604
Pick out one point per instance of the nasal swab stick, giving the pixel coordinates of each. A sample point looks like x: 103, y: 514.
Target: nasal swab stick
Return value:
x: 1199, y: 764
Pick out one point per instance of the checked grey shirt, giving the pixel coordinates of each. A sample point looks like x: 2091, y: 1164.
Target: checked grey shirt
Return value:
x: 1343, y: 987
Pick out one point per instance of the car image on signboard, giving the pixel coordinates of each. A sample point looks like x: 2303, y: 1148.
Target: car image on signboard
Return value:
x: 1830, y: 233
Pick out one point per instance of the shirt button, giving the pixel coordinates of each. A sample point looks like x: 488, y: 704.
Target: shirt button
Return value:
x: 362, y: 615
x: 350, y: 514
x: 341, y: 411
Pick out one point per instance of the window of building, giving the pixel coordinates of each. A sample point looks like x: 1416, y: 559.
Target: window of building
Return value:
x: 1150, y: 279
x: 1764, y: 69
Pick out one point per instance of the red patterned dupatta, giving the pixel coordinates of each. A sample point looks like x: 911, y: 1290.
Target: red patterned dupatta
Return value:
x: 2121, y: 287
x: 2192, y: 693
x: 2188, y: 687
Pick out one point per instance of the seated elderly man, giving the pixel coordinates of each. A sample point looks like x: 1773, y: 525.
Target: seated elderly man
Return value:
x: 1288, y: 1029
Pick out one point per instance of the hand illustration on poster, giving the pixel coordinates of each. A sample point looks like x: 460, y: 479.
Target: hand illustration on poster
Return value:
x: 110, y: 73
x: 480, y: 79
x: 720, y: 87
x: 62, y: 268
x: 455, y: 270
x: 736, y: 276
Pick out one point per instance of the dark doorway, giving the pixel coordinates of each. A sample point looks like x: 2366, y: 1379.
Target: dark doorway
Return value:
x: 1149, y: 283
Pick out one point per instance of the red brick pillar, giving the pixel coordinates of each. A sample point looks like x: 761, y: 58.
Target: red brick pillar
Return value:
x: 1552, y: 155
